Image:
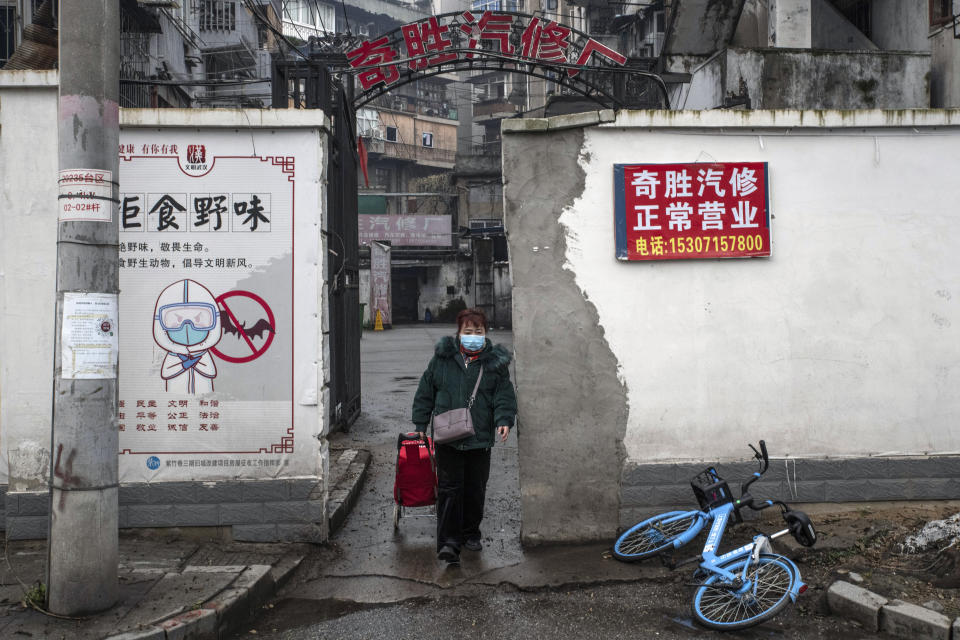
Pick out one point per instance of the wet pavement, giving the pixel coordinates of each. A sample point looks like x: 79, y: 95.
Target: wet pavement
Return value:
x: 374, y: 582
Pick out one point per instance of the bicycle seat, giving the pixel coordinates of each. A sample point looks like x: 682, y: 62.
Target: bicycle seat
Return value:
x: 801, y: 528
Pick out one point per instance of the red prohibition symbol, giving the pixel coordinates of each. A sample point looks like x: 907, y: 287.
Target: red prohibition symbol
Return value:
x: 241, y: 329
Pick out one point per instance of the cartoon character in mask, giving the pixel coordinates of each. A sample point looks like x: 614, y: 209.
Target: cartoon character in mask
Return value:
x: 186, y: 324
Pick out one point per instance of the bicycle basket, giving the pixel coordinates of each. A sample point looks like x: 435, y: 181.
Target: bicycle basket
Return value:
x: 711, y: 490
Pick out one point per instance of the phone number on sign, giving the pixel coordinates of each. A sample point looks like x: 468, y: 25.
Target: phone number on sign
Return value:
x: 659, y: 246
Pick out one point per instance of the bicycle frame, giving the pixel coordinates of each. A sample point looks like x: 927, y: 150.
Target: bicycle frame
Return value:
x: 710, y: 561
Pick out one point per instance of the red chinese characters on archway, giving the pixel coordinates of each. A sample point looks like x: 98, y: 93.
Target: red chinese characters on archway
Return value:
x: 428, y: 43
x: 374, y: 58
x: 683, y: 211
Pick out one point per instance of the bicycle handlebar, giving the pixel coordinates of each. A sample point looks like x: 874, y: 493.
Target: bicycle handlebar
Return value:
x: 765, y: 505
x: 764, y: 465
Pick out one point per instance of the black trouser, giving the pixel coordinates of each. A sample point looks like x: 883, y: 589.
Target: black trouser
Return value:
x: 462, y: 486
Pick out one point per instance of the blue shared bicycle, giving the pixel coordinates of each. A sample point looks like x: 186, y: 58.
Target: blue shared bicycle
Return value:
x: 739, y: 588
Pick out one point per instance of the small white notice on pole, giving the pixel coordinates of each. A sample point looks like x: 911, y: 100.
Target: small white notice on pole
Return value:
x: 85, y: 195
x: 89, y: 336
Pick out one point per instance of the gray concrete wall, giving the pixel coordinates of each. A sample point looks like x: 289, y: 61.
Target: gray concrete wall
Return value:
x: 255, y: 510
x: 752, y: 29
x: 945, y: 70
x: 452, y: 272
x: 802, y: 79
x: 701, y: 27
x: 900, y: 25
x: 651, y: 488
x: 572, y: 407
x: 832, y: 30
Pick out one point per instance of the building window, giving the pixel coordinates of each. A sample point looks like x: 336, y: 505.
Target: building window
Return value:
x: 551, y: 5
x: 299, y: 11
x: 368, y: 122
x: 391, y: 134
x: 941, y: 12
x: 8, y: 32
x: 427, y: 139
x: 310, y: 13
x: 263, y: 36
x: 218, y: 15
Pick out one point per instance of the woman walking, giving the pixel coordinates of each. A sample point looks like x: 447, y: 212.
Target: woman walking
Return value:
x: 463, y: 466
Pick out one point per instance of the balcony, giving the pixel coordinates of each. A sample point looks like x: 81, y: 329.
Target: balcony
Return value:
x: 429, y: 156
x: 419, y: 106
x: 495, y: 109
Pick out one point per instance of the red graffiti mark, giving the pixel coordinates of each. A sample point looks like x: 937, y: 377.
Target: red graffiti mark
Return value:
x: 65, y: 474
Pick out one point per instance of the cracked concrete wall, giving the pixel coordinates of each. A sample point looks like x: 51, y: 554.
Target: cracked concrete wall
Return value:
x: 572, y: 406
x: 28, y: 259
x: 842, y: 347
x: 793, y: 79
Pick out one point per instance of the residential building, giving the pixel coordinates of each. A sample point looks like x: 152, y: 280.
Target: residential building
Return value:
x: 793, y: 54
x: 410, y: 136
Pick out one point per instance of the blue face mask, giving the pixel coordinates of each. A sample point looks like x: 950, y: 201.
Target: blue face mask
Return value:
x: 472, y: 343
x: 187, y: 335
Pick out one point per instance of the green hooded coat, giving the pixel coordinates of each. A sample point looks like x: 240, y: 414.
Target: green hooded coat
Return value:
x: 448, y: 382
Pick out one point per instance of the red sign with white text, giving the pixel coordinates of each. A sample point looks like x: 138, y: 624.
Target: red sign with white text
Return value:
x: 406, y: 230
x: 684, y: 211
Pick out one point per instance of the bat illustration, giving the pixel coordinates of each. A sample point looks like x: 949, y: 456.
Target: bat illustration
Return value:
x: 256, y: 331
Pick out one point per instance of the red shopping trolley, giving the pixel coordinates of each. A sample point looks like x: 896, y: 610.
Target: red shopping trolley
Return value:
x: 415, y: 484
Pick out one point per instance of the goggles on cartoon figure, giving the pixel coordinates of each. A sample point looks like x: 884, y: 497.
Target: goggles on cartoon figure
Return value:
x: 201, y: 316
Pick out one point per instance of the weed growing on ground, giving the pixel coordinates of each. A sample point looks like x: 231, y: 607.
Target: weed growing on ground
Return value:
x: 36, y: 596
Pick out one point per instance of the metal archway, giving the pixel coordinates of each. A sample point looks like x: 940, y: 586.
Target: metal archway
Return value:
x: 507, y: 41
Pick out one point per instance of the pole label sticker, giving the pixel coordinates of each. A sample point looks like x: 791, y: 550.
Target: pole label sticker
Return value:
x: 85, y: 195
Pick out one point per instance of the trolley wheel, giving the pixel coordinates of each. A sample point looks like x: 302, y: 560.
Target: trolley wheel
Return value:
x: 396, y: 517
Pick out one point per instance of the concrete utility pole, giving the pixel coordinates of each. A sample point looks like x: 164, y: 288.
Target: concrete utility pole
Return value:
x: 82, y: 549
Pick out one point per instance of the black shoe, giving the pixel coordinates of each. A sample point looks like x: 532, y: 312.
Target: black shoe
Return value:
x: 448, y: 554
x: 473, y: 544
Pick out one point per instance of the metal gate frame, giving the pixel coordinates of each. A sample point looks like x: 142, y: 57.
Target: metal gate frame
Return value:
x: 310, y: 85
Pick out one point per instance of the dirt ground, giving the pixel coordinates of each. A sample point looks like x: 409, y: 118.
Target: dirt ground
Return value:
x: 860, y: 539
x: 867, y: 540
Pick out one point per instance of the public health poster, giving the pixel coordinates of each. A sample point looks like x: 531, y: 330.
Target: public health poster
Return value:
x: 209, y: 273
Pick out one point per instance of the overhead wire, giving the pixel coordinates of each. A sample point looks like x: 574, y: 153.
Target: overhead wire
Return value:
x: 346, y: 20
x: 265, y: 20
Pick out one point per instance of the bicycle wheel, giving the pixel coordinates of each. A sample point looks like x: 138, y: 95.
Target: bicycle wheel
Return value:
x: 717, y: 605
x: 655, y: 535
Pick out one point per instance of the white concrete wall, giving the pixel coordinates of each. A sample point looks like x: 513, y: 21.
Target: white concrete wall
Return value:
x: 28, y: 235
x: 789, y: 24
x: 28, y: 256
x: 845, y: 342
x: 705, y: 90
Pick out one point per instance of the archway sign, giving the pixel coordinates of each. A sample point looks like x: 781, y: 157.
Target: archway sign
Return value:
x: 494, y: 41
